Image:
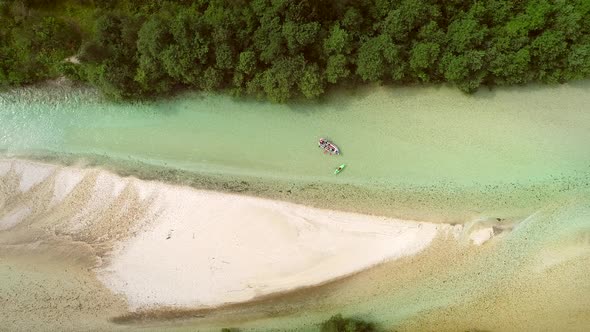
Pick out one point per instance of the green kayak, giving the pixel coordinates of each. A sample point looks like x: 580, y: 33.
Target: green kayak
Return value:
x: 339, y: 169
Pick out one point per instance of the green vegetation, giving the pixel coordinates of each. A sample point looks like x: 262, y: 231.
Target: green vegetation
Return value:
x: 285, y: 49
x: 339, y: 324
x: 335, y: 324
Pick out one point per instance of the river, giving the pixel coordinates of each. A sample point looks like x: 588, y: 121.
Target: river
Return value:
x: 516, y: 158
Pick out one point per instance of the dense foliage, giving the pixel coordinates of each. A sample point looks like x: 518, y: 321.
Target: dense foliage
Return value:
x: 284, y: 49
x: 339, y: 324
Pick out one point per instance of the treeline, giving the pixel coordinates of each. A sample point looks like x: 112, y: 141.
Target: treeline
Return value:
x: 285, y: 49
x: 336, y: 323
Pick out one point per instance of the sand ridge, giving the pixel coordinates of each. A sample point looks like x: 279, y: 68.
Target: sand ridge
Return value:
x: 207, y: 249
x: 166, y: 245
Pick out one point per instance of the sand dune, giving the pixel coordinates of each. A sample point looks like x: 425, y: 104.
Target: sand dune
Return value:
x: 177, y: 246
x: 205, y: 249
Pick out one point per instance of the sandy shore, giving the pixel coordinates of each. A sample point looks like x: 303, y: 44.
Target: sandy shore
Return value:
x: 206, y: 249
x: 165, y: 245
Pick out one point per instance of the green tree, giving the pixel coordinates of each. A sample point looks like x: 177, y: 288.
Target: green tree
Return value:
x: 511, y: 67
x: 337, y: 68
x: 423, y: 59
x: 183, y: 50
x: 548, y: 48
x: 268, y: 39
x: 109, y: 59
x: 465, y: 34
x: 465, y: 71
x: 298, y: 35
x: 211, y: 79
x: 339, y: 324
x: 378, y: 57
x: 402, y: 22
x: 282, y: 49
x: 278, y: 80
x: 311, y: 83
x: 338, y: 41
x: 247, y: 62
x: 578, y: 61
x: 153, y: 38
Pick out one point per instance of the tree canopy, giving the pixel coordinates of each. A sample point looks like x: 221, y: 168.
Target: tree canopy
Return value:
x: 338, y: 323
x: 285, y: 49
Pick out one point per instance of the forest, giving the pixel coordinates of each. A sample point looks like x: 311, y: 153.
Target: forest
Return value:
x: 280, y: 50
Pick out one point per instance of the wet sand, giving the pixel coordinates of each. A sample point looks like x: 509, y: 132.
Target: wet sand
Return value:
x: 50, y: 285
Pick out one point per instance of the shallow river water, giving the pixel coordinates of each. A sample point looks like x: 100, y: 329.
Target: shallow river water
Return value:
x: 521, y: 155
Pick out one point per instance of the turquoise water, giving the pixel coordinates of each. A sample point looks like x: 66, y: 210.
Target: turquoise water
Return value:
x: 427, y: 153
x: 521, y: 153
x: 387, y: 136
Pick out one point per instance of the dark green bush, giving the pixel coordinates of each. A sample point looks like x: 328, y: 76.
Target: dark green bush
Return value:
x: 339, y: 324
